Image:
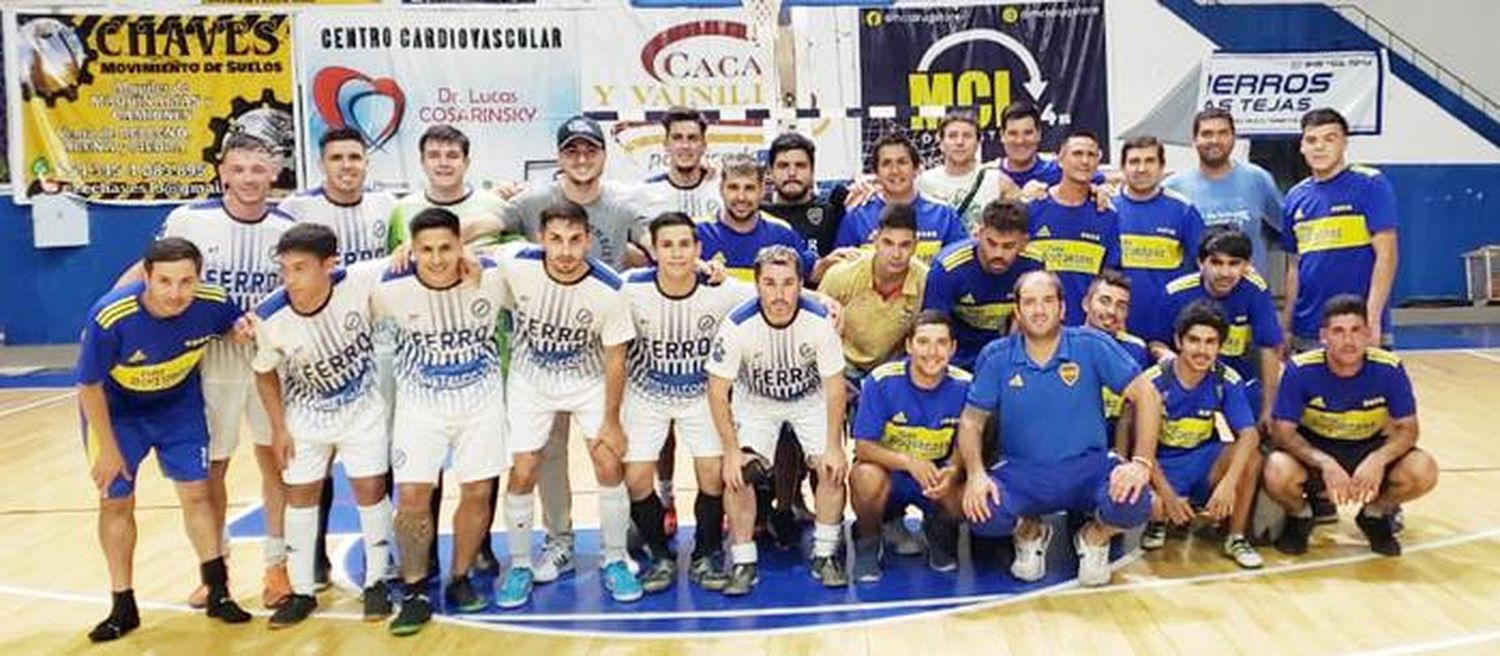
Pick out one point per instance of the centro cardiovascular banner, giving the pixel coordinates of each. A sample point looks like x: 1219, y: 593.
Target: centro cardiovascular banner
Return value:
x: 1269, y: 93
x: 505, y: 78
x: 133, y: 107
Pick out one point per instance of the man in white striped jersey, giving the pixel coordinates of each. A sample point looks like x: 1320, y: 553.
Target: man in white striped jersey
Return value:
x: 571, y: 327
x: 237, y: 235
x: 315, y: 370
x: 677, y: 312
x: 449, y: 402
x: 687, y: 184
x: 782, y: 355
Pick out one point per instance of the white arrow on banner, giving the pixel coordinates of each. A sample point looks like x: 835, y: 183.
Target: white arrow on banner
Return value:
x: 1034, y: 86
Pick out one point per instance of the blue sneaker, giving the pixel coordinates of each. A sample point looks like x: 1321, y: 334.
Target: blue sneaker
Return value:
x: 515, y: 590
x: 620, y: 583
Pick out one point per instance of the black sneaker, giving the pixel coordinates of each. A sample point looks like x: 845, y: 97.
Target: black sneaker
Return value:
x: 659, y: 575
x: 742, y: 579
x: 377, y: 601
x: 461, y: 596
x: 708, y: 572
x: 1294, y: 534
x: 829, y: 570
x: 942, y: 543
x: 114, y: 628
x: 1380, y: 531
x: 221, y: 606
x: 297, y: 608
x: 416, y: 611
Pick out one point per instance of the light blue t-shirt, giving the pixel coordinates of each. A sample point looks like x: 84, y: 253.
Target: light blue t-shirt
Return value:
x: 1246, y: 197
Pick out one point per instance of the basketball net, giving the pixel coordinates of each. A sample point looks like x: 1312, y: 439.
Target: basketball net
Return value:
x: 773, y: 48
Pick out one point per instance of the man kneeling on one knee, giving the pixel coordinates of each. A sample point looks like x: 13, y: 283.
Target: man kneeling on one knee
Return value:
x: 1045, y: 384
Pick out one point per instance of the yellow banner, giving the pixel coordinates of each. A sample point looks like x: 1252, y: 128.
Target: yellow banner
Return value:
x: 131, y: 107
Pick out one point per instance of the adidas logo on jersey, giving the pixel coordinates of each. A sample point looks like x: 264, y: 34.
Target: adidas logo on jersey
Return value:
x: 967, y: 299
x: 137, y: 357
x: 1015, y: 381
x: 1044, y: 232
x: 900, y: 418
x: 1316, y: 402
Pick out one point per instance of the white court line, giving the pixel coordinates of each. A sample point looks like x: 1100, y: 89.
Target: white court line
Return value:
x: 1446, y: 643
x: 36, y: 403
x: 1483, y: 355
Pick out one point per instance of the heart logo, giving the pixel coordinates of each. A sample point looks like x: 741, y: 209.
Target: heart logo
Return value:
x: 346, y: 97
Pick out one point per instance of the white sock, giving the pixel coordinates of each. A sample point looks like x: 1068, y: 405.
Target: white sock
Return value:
x: 274, y: 549
x: 376, y: 524
x: 614, y: 521
x: 664, y: 490
x: 826, y: 538
x: 519, y: 514
x: 743, y: 553
x: 302, y: 538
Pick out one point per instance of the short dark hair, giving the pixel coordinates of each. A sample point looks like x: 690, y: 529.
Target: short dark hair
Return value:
x: 957, y: 116
x: 340, y: 134
x: 788, y: 141
x: 1212, y: 114
x: 1201, y: 312
x: 1225, y: 239
x: 245, y: 141
x: 679, y: 113
x: 1143, y: 141
x: 894, y: 139
x: 172, y: 249
x: 778, y: 254
x: 1111, y: 277
x: 1019, y: 110
x: 1006, y: 215
x: 435, y: 217
x: 669, y: 219
x: 1343, y: 304
x: 930, y: 318
x: 566, y: 211
x: 444, y: 133
x: 313, y: 239
x: 898, y: 216
x: 1324, y: 116
x: 1082, y: 133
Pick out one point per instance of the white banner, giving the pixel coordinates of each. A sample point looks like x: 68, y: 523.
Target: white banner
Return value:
x: 1268, y: 93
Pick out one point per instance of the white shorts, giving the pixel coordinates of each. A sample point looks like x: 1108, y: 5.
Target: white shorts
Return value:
x: 647, y: 422
x: 759, y: 425
x: 531, y: 412
x: 364, y: 448
x: 421, y: 440
x: 230, y: 400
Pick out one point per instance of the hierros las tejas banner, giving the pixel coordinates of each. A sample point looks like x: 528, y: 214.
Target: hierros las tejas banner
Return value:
x: 985, y: 57
x: 506, y: 78
x: 1269, y: 92
x: 133, y: 107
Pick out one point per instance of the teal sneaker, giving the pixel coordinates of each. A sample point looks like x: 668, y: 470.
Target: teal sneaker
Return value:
x: 620, y: 583
x: 515, y: 590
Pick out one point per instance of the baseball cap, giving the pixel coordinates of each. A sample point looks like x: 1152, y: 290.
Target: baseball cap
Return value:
x: 580, y: 127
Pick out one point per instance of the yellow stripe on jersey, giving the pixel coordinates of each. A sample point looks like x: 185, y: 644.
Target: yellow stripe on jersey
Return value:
x: 958, y: 258
x: 959, y: 374
x: 917, y: 441
x: 1331, y: 232
x: 116, y: 311
x: 1114, y: 404
x: 159, y: 376
x: 1132, y: 339
x: 1150, y: 252
x: 1364, y: 170
x: 1316, y: 356
x: 1186, y: 432
x: 1068, y: 255
x: 1184, y: 283
x: 211, y: 294
x: 1382, y: 356
x: 987, y: 316
x: 897, y: 368
x: 1237, y: 342
x: 1256, y: 280
x: 1351, y: 425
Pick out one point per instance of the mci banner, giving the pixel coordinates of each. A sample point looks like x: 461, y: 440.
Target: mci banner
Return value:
x: 133, y: 107
x: 1269, y: 92
x: 925, y: 59
x: 506, y: 78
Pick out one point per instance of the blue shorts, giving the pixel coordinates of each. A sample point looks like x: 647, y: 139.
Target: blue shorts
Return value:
x: 905, y: 491
x: 179, y: 435
x: 1188, y: 470
x: 1079, y: 484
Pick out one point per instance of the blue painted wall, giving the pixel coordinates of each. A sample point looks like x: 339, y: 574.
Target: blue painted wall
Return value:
x: 1445, y: 211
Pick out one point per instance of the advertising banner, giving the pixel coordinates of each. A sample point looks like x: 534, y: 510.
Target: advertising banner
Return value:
x: 1269, y: 92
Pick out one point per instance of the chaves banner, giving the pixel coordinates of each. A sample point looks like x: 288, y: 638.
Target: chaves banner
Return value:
x: 925, y: 59
x: 133, y: 107
x: 1269, y: 92
x: 506, y: 78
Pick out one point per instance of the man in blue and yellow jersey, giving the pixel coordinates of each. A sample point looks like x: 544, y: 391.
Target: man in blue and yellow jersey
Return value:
x: 140, y: 390
x: 1106, y: 308
x: 974, y: 281
x: 1197, y: 470
x: 1044, y: 386
x: 1070, y: 233
x: 903, y: 430
x: 897, y: 163
x: 1340, y: 227
x: 1345, y: 414
x: 1254, y: 341
x: 1159, y: 229
x: 736, y: 234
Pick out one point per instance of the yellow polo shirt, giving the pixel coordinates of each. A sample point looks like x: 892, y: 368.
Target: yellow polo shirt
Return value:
x: 874, y: 326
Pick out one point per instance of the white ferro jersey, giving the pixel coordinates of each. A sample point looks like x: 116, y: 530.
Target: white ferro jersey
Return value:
x: 447, y: 362
x: 701, y: 200
x: 560, y: 329
x: 362, y: 227
x: 326, y: 359
x: 674, y: 335
x: 770, y: 364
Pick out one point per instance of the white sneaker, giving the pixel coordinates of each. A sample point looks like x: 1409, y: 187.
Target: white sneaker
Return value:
x: 901, y: 540
x: 1093, y: 562
x: 1239, y: 549
x: 1031, y: 556
x: 556, y: 560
